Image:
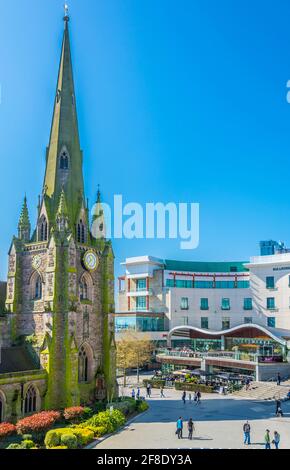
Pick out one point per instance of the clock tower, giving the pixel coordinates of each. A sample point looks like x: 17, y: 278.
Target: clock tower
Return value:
x: 60, y: 290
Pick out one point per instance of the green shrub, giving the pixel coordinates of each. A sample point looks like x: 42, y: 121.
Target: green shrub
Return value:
x: 83, y: 435
x: 15, y: 446
x: 155, y: 383
x: 126, y: 407
x: 27, y: 437
x: 27, y: 444
x: 193, y: 387
x: 69, y: 440
x: 141, y: 406
x: 111, y: 421
x: 52, y: 439
x: 58, y: 447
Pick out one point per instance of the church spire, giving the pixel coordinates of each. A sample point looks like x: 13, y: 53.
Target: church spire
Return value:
x: 64, y: 155
x: 24, y: 223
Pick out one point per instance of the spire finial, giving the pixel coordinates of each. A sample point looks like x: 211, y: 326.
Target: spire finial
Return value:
x: 99, y: 194
x: 66, y: 12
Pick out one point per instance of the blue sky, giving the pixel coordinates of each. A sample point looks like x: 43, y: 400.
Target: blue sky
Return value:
x: 179, y: 101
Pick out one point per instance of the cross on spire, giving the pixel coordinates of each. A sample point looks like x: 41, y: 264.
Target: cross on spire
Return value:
x: 66, y: 12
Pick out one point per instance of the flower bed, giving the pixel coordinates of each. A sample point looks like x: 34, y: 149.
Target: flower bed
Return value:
x: 38, y: 423
x: 155, y: 383
x: 76, y: 413
x: 6, y: 430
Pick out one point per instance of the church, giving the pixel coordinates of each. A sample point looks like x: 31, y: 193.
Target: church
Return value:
x: 57, y: 345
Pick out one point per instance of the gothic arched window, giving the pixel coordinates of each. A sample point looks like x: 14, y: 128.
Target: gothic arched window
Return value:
x: 83, y: 365
x: 81, y: 232
x: 37, y: 291
x: 84, y: 290
x: 30, y: 400
x: 63, y: 163
x: 42, y: 229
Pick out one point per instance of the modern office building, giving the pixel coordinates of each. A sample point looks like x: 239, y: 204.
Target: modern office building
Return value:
x: 207, y: 306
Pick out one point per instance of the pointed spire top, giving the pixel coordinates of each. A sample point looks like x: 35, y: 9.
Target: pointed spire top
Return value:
x: 98, y: 194
x: 24, y: 215
x: 66, y: 13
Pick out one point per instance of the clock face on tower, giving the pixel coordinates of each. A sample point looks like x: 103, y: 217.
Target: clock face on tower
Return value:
x: 36, y: 262
x: 90, y: 260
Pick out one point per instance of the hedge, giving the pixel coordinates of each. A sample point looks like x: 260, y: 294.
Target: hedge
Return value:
x: 82, y: 436
x: 192, y: 387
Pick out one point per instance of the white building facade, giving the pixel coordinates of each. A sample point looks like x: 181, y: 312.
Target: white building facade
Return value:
x: 196, y: 302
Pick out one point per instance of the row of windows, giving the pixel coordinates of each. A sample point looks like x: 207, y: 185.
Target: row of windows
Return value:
x: 84, y: 289
x: 225, y: 304
x: 139, y: 324
x: 81, y: 232
x: 270, y: 282
x: 208, y: 284
x: 226, y: 322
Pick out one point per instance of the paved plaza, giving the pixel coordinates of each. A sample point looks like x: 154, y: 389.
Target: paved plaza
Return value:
x: 218, y: 424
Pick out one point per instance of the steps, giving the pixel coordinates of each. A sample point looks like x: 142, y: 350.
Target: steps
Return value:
x: 264, y: 391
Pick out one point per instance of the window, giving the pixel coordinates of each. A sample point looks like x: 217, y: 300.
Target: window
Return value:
x: 184, y: 303
x: 248, y: 320
x: 141, y: 303
x: 248, y: 304
x: 270, y: 303
x: 81, y: 232
x: 204, y: 323
x: 270, y: 282
x: 63, y: 162
x: 83, y: 290
x: 30, y: 400
x: 226, y: 304
x: 288, y: 281
x: 185, y: 321
x: 42, y: 229
x: 226, y: 323
x: 83, y: 365
x: 37, y: 288
x: 141, y: 284
x: 271, y: 322
x: 204, y: 304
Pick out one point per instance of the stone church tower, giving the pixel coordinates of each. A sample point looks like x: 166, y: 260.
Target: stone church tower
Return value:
x: 60, y: 289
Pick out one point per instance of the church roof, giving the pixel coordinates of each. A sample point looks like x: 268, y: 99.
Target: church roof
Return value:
x: 16, y: 359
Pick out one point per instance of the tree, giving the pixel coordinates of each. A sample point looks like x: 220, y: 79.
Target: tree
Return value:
x: 134, y: 349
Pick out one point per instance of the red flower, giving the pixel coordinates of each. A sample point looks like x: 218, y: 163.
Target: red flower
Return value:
x: 75, y: 412
x: 38, y: 422
x: 6, y: 429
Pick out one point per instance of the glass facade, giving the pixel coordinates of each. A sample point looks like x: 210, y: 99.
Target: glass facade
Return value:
x: 270, y: 282
x: 271, y: 303
x: 207, y: 284
x: 248, y: 304
x: 136, y: 323
x: 204, y: 304
x: 141, y: 303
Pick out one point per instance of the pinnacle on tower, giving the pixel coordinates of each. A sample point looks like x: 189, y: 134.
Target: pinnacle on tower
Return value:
x: 62, y: 213
x: 98, y: 228
x: 24, y: 223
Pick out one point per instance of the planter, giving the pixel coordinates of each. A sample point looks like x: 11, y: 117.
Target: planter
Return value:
x: 192, y: 387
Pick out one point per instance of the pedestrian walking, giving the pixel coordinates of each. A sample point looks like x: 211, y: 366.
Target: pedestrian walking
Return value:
x: 198, y: 398
x: 133, y: 393
x: 279, y: 411
x: 278, y: 379
x: 148, y: 391
x: 247, y: 433
x: 179, y: 427
x: 183, y: 396
x: 138, y: 393
x: 190, y: 427
x: 276, y: 439
x: 189, y: 397
x: 247, y: 384
x: 162, y: 392
x: 267, y: 439
x: 278, y: 405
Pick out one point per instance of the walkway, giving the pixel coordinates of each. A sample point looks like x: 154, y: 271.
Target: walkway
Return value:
x: 218, y: 421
